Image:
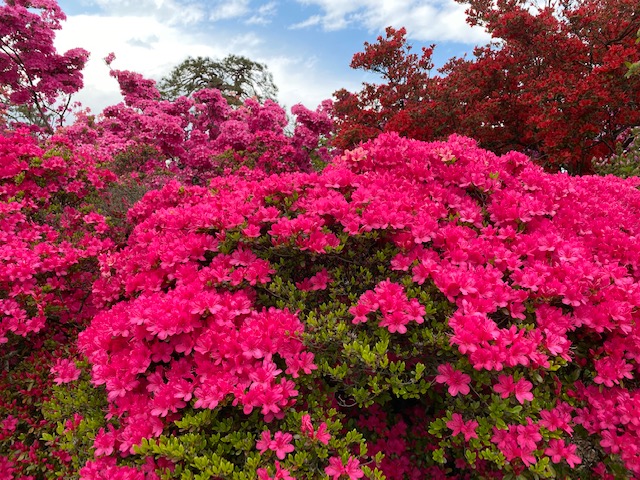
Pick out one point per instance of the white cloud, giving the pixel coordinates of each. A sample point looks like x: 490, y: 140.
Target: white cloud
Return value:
x: 425, y: 20
x: 263, y: 15
x: 309, y: 22
x: 146, y: 42
x: 141, y: 44
x: 226, y: 9
x: 300, y: 80
x: 169, y: 12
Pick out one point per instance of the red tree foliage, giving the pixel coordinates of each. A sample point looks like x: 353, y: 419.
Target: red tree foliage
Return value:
x: 387, y: 106
x: 552, y: 85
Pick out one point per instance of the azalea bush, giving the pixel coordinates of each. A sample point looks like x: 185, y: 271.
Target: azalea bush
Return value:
x: 197, y: 137
x: 480, y: 324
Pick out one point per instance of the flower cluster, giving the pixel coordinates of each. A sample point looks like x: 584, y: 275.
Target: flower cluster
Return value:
x: 43, y: 244
x: 397, y: 311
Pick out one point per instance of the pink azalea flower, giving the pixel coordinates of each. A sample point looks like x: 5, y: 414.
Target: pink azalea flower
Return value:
x: 352, y: 469
x: 458, y: 425
x: 528, y: 435
x: 265, y: 441
x: 458, y: 382
x: 469, y: 430
x: 322, y: 435
x: 281, y: 474
x: 559, y: 451
x: 306, y: 427
x: 281, y: 444
x: 455, y: 424
x: 104, y: 442
x: 523, y: 390
x: 336, y: 468
x: 506, y: 386
x: 65, y: 371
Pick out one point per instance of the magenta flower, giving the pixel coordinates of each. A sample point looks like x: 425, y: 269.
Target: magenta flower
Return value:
x: 506, y: 386
x: 523, y: 390
x: 65, y: 371
x: 352, y: 469
x: 336, y: 468
x: 458, y: 425
x: 104, y: 442
x: 458, y: 382
x: 265, y: 441
x: 281, y: 474
x: 559, y: 451
x: 281, y: 444
x: 322, y: 435
x: 306, y: 427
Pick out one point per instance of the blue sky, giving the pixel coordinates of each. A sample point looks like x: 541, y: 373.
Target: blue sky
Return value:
x: 306, y: 44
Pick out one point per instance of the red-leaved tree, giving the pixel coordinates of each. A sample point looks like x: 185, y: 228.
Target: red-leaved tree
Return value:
x: 552, y: 84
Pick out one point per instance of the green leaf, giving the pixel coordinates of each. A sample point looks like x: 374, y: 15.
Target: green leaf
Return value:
x: 438, y: 456
x: 471, y: 456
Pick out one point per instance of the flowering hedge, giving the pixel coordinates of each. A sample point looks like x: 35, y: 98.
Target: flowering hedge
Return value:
x: 415, y: 310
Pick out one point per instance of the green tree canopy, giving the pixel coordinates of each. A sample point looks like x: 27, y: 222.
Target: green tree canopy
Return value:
x: 237, y: 77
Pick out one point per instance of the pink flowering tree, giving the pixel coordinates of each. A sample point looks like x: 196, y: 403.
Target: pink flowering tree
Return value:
x: 36, y: 82
x: 197, y: 137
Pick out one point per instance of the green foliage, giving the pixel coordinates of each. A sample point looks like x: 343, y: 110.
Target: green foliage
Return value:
x: 25, y: 387
x: 634, y: 68
x: 626, y: 162
x: 76, y: 411
x: 221, y: 443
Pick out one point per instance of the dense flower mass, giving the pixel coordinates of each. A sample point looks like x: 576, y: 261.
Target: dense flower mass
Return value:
x: 42, y: 261
x: 534, y: 270
x: 50, y: 235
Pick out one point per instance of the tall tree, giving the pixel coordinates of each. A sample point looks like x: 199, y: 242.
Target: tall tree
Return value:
x: 237, y: 78
x: 36, y: 82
